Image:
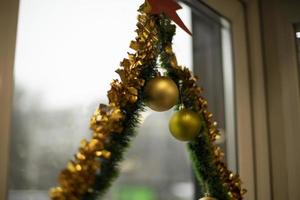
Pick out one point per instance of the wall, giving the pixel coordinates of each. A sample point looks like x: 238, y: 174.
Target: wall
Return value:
x: 283, y: 99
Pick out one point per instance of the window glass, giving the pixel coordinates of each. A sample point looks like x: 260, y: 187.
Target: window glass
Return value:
x: 67, y: 52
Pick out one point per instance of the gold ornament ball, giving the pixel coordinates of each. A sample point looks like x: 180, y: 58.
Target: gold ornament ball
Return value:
x: 161, y: 94
x: 185, y: 125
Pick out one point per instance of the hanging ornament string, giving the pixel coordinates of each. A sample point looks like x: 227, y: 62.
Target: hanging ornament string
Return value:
x: 181, y: 105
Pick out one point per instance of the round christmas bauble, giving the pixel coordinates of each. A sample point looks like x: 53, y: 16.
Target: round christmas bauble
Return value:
x: 185, y: 125
x: 161, y: 94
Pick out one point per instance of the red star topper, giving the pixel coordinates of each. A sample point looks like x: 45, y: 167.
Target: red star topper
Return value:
x: 168, y: 7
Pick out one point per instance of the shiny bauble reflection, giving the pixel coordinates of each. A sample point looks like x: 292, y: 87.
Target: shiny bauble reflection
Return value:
x: 185, y: 125
x: 161, y: 94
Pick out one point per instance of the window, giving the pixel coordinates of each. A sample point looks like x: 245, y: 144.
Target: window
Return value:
x: 67, y: 52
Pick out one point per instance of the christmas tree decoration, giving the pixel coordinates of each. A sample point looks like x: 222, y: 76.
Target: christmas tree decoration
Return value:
x: 161, y: 94
x: 185, y: 125
x: 96, y: 163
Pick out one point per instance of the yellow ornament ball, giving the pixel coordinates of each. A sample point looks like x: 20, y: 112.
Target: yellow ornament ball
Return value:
x: 185, y: 125
x: 161, y: 94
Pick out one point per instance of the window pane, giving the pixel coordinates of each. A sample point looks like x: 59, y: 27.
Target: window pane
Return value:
x: 67, y: 52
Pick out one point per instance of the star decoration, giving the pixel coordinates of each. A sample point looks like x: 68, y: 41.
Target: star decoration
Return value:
x: 169, y: 8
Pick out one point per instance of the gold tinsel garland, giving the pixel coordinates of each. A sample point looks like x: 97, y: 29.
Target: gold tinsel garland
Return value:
x: 79, y: 176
